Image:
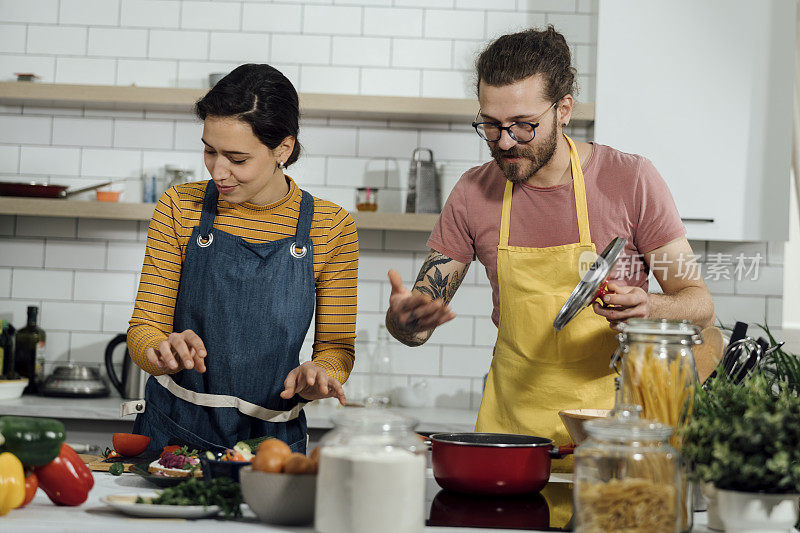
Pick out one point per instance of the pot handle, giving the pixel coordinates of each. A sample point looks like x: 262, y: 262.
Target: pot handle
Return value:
x: 562, y: 451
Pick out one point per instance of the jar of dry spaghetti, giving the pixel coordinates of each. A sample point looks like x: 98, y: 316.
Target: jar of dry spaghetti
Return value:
x: 658, y: 373
x: 627, y: 476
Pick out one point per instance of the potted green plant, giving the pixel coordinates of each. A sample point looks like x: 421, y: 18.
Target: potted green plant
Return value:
x: 745, y: 440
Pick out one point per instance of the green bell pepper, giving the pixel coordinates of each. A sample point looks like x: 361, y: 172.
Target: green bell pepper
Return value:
x: 34, y: 441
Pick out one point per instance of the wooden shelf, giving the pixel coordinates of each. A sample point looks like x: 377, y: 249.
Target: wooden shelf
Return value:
x: 47, y: 207
x: 411, y: 109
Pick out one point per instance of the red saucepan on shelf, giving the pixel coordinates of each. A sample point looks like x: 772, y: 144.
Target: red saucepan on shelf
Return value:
x: 493, y: 463
x: 41, y: 190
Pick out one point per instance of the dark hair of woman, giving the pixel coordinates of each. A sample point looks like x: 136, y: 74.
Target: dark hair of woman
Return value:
x: 260, y: 96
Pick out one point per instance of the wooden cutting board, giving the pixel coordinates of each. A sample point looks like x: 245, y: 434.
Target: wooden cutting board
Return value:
x: 97, y: 463
x: 708, y: 354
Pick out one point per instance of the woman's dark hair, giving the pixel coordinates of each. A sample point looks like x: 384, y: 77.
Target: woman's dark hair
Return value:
x: 260, y: 96
x: 517, y: 56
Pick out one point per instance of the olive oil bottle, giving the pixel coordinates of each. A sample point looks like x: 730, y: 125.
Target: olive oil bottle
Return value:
x: 30, y: 351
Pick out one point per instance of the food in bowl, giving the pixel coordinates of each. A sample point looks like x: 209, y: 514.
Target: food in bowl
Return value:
x: 12, y: 388
x: 275, y: 456
x: 178, y: 463
x: 573, y: 420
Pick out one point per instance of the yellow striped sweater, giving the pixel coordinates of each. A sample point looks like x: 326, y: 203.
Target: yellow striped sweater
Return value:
x: 333, y: 234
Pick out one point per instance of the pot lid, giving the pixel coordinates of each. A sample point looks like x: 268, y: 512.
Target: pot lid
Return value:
x: 624, y: 424
x: 586, y: 291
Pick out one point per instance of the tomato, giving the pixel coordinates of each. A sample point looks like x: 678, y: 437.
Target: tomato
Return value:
x: 31, y: 485
x: 130, y: 444
x: 169, y: 449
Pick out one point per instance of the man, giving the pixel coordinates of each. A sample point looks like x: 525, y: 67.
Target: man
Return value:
x: 569, y: 199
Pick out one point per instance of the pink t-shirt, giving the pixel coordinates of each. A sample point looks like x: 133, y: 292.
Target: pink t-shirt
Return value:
x: 625, y: 196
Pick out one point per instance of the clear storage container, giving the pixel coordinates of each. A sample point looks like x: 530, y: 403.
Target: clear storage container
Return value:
x: 627, y: 476
x: 371, y: 475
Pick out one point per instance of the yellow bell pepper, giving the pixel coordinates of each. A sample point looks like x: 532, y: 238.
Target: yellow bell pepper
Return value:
x: 12, y: 483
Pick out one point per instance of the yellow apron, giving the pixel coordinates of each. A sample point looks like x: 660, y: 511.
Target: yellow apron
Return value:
x: 535, y: 370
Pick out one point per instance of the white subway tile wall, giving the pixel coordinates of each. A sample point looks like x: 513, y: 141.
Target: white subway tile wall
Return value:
x: 83, y: 273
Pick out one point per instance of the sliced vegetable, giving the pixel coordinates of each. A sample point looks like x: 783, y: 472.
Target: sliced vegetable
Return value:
x: 66, y: 480
x: 12, y: 483
x: 31, y: 486
x: 116, y: 469
x: 34, y: 441
x: 130, y: 444
x: 111, y: 454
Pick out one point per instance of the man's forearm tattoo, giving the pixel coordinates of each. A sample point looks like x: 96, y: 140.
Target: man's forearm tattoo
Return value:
x: 438, y: 286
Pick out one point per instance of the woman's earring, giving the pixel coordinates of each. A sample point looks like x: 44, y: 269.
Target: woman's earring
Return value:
x: 282, y: 165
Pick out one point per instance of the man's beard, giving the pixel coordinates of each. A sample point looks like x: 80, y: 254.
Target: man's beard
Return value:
x: 537, y: 157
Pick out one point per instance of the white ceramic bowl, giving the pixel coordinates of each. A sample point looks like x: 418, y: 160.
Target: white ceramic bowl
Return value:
x: 281, y: 499
x: 12, y: 388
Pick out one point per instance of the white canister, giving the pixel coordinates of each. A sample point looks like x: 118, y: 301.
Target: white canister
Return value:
x: 371, y: 475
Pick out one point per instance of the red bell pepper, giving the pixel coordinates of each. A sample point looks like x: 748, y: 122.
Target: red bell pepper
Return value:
x: 66, y: 479
x: 31, y: 484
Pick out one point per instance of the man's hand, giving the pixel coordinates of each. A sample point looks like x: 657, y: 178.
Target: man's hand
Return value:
x: 184, y: 350
x: 628, y: 302
x: 414, y: 311
x: 311, y: 382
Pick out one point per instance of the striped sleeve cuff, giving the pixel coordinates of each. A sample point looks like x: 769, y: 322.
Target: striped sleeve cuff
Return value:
x: 337, y: 363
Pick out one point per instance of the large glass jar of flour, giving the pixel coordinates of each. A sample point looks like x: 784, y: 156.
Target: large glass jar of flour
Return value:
x: 371, y: 475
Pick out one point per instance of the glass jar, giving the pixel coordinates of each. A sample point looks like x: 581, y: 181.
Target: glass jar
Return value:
x: 627, y: 476
x: 367, y: 199
x: 371, y: 475
x: 659, y: 374
x: 380, y: 378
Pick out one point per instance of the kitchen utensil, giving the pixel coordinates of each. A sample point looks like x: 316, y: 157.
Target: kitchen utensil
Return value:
x: 708, y: 355
x: 424, y: 195
x: 131, y: 386
x: 493, y: 463
x: 76, y: 381
x: 283, y: 499
x: 42, y: 190
x: 573, y: 420
x: 12, y: 388
x: 587, y: 290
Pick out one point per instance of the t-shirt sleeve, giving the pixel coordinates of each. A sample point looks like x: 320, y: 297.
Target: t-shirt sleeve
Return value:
x: 658, y: 221
x: 451, y: 235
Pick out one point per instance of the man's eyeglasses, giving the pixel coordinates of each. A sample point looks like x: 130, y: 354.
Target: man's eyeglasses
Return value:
x: 522, y: 132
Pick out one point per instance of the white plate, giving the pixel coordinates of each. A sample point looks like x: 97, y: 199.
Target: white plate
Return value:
x: 126, y: 503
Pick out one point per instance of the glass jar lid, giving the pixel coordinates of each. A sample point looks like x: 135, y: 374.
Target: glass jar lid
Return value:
x: 373, y: 421
x: 654, y: 330
x: 624, y: 424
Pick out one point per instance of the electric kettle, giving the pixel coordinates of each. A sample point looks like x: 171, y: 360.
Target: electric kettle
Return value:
x: 131, y: 386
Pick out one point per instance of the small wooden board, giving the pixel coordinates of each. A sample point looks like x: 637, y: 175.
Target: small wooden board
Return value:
x: 97, y: 463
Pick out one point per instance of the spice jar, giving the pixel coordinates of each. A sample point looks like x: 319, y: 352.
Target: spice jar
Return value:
x: 367, y: 199
x: 371, y: 475
x: 627, y: 476
x: 658, y: 373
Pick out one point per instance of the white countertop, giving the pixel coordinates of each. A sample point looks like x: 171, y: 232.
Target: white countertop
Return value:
x: 41, y: 515
x: 431, y: 419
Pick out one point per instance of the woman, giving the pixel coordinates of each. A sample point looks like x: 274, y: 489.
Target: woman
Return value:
x: 235, y: 268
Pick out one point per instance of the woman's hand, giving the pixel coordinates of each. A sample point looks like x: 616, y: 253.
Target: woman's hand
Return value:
x: 311, y: 382
x: 626, y: 301
x: 184, y: 350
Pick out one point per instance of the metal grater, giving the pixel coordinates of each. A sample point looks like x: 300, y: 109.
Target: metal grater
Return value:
x: 424, y: 195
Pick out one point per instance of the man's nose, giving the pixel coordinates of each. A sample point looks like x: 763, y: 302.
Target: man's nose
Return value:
x: 505, y: 142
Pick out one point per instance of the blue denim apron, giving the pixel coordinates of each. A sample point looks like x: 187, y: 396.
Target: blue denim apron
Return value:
x: 251, y: 304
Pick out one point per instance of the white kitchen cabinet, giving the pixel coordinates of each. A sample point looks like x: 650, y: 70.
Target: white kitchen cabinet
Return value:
x: 704, y: 89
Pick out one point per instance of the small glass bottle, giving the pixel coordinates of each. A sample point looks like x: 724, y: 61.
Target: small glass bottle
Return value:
x: 367, y: 199
x: 29, y: 353
x: 371, y: 475
x: 627, y: 476
x: 380, y: 377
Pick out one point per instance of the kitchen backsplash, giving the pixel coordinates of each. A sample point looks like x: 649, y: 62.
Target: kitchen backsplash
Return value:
x: 84, y: 272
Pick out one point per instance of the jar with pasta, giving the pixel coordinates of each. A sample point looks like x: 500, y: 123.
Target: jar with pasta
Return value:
x: 627, y: 476
x: 658, y: 374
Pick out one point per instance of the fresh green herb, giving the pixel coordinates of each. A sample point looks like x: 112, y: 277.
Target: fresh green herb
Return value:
x: 116, y: 469
x: 744, y: 437
x: 219, y: 491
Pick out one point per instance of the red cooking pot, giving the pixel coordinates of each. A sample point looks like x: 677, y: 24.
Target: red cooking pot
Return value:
x: 493, y: 463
